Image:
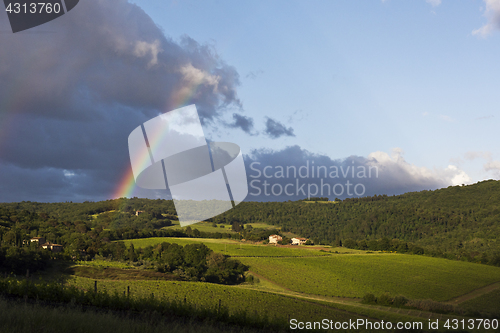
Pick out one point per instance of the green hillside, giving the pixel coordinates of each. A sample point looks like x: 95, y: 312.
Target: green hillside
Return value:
x: 230, y: 247
x: 414, y: 277
x: 460, y: 222
x: 350, y: 273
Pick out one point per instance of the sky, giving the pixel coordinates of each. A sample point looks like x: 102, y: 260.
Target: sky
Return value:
x: 406, y: 89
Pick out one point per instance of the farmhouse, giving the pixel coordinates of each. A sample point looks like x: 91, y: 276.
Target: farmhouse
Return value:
x: 39, y: 240
x: 52, y: 247
x: 298, y: 241
x: 274, y: 239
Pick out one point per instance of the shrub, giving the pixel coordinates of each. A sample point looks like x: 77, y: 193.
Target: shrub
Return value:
x: 430, y: 305
x: 369, y: 299
x: 384, y: 299
x: 399, y: 301
x: 250, y: 279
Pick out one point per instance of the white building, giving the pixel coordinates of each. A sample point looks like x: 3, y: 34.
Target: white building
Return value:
x: 274, y: 239
x: 298, y: 241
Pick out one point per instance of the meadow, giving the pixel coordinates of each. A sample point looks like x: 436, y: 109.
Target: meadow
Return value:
x: 202, y: 227
x: 104, y: 263
x: 301, y: 282
x: 339, y: 272
x: 488, y: 303
x: 232, y: 248
x: 415, y: 277
x: 207, y: 295
x: 274, y: 307
x: 17, y: 316
x: 222, y: 228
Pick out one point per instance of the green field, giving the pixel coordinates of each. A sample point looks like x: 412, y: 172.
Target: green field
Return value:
x: 415, y: 277
x: 489, y: 303
x: 222, y: 228
x: 104, y: 263
x: 207, y: 295
x: 238, y: 299
x: 232, y: 248
x: 17, y: 316
x: 203, y: 227
x: 350, y: 273
x: 304, y: 282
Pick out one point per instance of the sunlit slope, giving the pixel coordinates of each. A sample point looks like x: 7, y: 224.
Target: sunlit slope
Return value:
x: 207, y: 295
x: 463, y: 220
x: 415, y: 277
x: 230, y: 247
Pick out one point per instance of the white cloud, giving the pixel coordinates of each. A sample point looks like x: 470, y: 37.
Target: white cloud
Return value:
x: 68, y: 173
x: 492, y: 14
x: 434, y: 3
x: 494, y: 167
x: 193, y: 77
x: 472, y: 155
x: 490, y: 165
x: 411, y: 173
x: 143, y: 49
x: 396, y: 160
x: 457, y: 176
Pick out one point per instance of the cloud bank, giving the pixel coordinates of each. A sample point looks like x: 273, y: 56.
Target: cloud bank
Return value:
x: 295, y: 173
x: 73, y: 89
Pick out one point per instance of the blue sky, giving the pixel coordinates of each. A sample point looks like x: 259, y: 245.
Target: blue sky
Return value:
x: 353, y: 78
x: 410, y: 87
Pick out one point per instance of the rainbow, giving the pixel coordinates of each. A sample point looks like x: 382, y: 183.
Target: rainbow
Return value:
x: 179, y: 98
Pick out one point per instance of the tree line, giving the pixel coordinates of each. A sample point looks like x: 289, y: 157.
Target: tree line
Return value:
x: 458, y: 222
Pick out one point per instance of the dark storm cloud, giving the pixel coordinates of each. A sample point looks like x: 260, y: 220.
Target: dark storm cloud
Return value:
x: 110, y: 52
x: 378, y: 173
x: 69, y: 99
x: 243, y: 122
x: 275, y: 129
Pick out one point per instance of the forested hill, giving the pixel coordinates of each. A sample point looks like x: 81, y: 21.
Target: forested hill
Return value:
x: 455, y: 219
x: 462, y: 220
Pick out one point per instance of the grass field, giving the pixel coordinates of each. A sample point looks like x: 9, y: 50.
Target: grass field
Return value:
x: 222, y: 228
x: 233, y: 248
x: 238, y: 299
x: 208, y: 295
x: 303, y: 282
x: 17, y: 316
x: 351, y: 273
x: 104, y: 263
x: 415, y: 277
x: 489, y: 303
x: 203, y: 227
